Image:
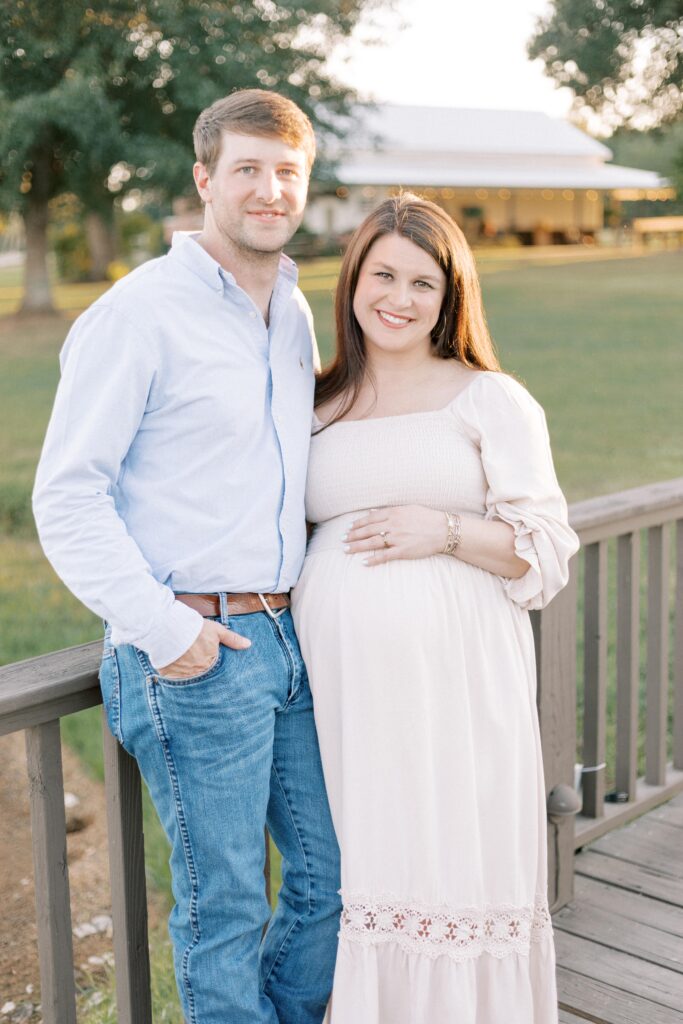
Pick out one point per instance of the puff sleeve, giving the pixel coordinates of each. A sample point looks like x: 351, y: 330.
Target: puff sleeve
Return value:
x: 509, y: 428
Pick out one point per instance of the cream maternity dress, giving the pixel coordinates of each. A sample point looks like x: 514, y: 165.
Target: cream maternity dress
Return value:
x: 423, y: 678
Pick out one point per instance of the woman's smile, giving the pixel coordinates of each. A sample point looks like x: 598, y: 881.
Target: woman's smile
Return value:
x: 393, y: 320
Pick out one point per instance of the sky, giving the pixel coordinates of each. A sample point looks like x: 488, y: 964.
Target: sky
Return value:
x: 452, y: 53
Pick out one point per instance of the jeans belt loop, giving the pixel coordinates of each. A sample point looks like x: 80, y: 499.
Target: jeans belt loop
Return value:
x: 267, y: 608
x: 224, y: 612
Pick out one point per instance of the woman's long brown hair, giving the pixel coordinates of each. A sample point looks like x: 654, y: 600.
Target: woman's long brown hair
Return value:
x: 460, y: 332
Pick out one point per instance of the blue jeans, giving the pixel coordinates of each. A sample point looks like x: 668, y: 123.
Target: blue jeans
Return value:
x: 223, y: 754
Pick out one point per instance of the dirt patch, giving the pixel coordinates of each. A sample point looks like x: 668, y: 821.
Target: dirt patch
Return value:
x: 88, y: 878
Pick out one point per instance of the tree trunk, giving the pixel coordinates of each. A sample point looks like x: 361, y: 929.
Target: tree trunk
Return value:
x: 99, y: 231
x: 37, y: 292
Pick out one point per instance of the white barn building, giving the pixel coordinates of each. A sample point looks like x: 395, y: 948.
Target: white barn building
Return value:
x: 497, y: 172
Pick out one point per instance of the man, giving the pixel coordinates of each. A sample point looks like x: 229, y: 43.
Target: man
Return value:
x: 169, y: 498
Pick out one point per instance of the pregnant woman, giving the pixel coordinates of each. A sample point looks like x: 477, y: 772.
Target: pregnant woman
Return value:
x: 438, y: 524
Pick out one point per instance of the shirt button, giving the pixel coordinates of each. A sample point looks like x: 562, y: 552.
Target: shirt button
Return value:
x: 252, y: 315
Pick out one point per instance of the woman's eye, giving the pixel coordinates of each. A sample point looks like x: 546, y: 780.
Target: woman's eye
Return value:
x: 382, y: 273
x: 423, y: 284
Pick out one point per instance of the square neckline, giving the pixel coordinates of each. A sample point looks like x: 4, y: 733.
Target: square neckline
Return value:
x: 403, y: 415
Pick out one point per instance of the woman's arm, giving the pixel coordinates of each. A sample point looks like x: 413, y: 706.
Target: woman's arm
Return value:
x: 413, y: 531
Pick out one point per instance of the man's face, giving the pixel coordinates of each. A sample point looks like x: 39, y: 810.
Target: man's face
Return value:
x: 257, y: 193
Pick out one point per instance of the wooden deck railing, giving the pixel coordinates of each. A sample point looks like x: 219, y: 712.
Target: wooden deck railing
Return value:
x: 35, y: 694
x: 655, y: 511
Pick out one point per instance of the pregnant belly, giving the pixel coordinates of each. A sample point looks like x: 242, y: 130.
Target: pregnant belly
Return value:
x: 403, y: 603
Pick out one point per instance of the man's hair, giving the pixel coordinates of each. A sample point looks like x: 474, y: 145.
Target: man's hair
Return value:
x: 252, y: 112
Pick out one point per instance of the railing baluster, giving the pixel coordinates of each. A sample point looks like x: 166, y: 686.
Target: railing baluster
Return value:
x: 127, y: 879
x: 53, y: 909
x: 595, y: 675
x: 555, y: 644
x: 628, y: 656
x: 678, y: 652
x: 657, y: 654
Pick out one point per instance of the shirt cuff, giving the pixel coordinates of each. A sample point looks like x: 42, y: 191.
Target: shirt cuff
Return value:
x: 172, y: 636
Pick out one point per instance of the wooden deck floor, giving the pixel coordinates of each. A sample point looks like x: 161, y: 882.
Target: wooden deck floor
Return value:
x: 620, y: 942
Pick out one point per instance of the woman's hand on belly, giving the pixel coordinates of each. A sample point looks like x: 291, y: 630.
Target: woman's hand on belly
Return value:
x: 404, y: 531
x: 414, y: 531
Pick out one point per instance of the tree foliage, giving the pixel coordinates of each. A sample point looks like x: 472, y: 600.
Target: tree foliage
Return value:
x: 621, y: 58
x: 97, y: 98
x: 86, y: 86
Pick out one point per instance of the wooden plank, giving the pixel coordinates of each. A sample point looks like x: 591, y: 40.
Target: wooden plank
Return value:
x: 620, y: 971
x: 598, y: 922
x: 628, y: 906
x: 627, y: 511
x: 604, y: 1004
x: 53, y: 907
x: 586, y: 830
x: 127, y: 877
x: 675, y: 819
x: 678, y: 652
x: 595, y: 679
x: 46, y: 688
x: 628, y: 651
x: 568, y: 1018
x: 657, y: 654
x: 652, y: 844
x: 671, y: 813
x: 555, y: 645
x: 633, y: 877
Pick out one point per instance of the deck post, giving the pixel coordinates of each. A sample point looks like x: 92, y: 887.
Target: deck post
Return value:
x: 127, y: 877
x: 678, y: 652
x: 555, y: 643
x: 53, y: 908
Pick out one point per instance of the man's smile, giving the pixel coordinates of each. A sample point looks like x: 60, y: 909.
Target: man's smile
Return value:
x: 266, y: 215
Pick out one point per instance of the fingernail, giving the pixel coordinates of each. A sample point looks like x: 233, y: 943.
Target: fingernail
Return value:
x: 366, y: 561
x: 345, y: 536
x: 246, y: 643
x: 347, y: 547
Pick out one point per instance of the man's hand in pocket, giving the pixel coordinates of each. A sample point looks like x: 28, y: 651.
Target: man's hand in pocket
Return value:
x: 204, y: 651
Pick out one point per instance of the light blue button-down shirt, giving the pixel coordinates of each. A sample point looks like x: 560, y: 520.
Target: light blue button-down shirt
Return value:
x: 175, y: 458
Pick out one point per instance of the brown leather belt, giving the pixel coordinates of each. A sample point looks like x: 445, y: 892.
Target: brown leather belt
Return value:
x: 238, y: 604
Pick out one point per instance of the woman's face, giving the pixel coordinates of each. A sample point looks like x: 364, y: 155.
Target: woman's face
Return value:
x: 398, y: 295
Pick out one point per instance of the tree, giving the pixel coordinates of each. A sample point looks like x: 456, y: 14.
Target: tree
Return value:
x: 98, y: 97
x: 621, y: 58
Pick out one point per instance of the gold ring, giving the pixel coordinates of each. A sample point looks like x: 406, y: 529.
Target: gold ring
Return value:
x: 384, y: 534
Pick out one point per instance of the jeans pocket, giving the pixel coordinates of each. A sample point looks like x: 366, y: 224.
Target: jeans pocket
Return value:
x: 110, y: 685
x: 208, y: 673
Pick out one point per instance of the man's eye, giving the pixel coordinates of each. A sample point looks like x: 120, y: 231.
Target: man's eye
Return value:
x: 288, y: 172
x: 246, y: 170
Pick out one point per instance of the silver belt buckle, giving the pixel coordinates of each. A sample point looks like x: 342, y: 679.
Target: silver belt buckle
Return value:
x: 267, y: 608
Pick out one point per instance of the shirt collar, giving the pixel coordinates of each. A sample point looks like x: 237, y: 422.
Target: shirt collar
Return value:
x: 186, y: 249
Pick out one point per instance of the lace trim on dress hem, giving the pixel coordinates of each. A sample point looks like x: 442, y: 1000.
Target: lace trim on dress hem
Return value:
x: 460, y: 934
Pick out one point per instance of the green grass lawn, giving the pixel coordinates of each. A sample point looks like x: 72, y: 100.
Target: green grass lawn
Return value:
x: 600, y: 344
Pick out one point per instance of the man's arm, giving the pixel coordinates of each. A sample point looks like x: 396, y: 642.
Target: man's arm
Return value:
x: 108, y: 373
